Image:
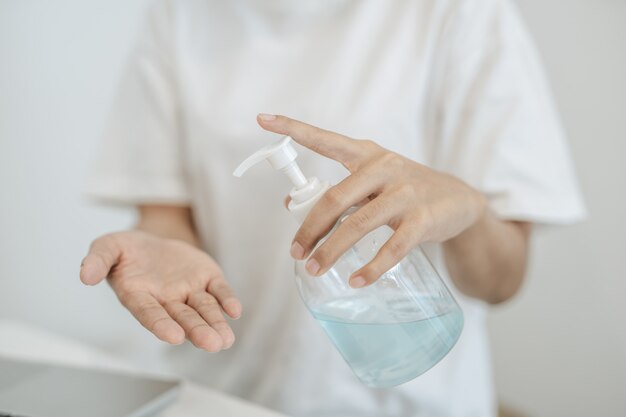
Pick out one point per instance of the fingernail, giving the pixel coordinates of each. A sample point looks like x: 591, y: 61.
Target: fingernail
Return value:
x: 358, y: 282
x: 297, y: 251
x: 312, y: 266
x: 267, y: 117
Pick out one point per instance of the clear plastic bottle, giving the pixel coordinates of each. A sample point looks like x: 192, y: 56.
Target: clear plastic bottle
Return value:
x: 389, y: 332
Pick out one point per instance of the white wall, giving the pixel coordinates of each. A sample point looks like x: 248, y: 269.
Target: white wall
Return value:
x: 559, y: 347
x: 58, y: 63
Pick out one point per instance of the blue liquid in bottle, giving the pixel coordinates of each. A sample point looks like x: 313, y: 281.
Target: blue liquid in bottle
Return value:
x: 385, y: 352
x: 392, y: 330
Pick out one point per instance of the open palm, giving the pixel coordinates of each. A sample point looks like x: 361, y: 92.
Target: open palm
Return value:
x: 172, y: 288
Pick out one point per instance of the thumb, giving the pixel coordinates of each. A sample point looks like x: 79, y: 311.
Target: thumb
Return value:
x: 103, y: 255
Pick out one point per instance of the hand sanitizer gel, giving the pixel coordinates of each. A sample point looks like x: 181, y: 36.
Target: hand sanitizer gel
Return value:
x: 389, y: 332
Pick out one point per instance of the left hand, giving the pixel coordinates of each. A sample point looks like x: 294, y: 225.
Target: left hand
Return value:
x: 419, y: 203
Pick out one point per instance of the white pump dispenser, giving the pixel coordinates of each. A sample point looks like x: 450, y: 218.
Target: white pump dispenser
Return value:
x: 282, y: 157
x: 390, y: 331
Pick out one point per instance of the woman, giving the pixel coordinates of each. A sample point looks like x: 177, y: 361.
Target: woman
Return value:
x: 465, y: 154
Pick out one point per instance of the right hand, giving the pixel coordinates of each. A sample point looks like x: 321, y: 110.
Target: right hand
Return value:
x: 173, y: 289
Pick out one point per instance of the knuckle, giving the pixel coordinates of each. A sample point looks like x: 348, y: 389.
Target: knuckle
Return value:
x: 304, y: 236
x: 113, y: 239
x: 334, y: 197
x: 389, y: 158
x: 392, y: 161
x: 383, y: 206
x: 367, y: 151
x: 370, y: 272
x: 100, y: 240
x: 153, y: 323
x: 323, y: 255
x: 186, y: 315
x: 147, y: 311
x: 423, y: 224
x: 104, y: 258
x: 370, y: 145
x: 359, y: 221
x: 219, y: 324
x: 218, y: 284
x: 171, y: 307
x: 396, y: 248
x: 207, y: 303
x: 405, y: 192
x: 193, y: 331
x: 396, y: 159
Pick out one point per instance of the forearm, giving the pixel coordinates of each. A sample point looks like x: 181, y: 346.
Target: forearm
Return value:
x: 168, y: 222
x: 488, y: 260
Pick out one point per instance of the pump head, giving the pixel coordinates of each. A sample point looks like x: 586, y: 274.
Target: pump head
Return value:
x: 282, y: 157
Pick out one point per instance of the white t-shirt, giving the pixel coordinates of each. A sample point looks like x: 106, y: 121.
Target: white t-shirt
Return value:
x: 455, y: 85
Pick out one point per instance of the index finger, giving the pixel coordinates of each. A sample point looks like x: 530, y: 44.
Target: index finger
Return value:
x: 329, y: 144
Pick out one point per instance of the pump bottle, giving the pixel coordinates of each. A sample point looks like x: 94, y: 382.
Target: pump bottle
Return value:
x: 390, y: 331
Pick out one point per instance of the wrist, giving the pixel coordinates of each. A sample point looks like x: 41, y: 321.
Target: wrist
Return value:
x: 171, y: 222
x: 477, y: 215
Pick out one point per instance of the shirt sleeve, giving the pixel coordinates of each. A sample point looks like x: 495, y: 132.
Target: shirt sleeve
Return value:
x: 496, y: 124
x: 140, y: 160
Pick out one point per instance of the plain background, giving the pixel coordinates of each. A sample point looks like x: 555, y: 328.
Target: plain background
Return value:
x: 558, y: 347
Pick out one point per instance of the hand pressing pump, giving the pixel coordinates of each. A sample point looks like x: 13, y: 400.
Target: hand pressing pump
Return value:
x: 388, y: 332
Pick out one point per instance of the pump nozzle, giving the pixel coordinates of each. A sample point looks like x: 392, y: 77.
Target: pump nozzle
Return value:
x: 281, y: 156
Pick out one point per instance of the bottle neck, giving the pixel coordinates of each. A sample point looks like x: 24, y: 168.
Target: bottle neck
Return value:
x: 303, y: 199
